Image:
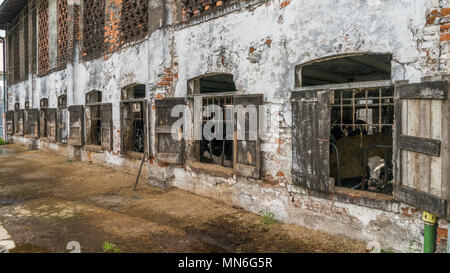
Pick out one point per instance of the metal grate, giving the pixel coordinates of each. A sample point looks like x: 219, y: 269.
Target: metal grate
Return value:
x: 217, y: 151
x: 370, y: 110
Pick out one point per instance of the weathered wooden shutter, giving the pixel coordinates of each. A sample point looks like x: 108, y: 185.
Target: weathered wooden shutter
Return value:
x: 247, y: 153
x: 32, y: 117
x: 106, y: 124
x: 52, y: 124
x: 10, y: 123
x: 311, y: 117
x: 43, y: 122
x: 76, y: 125
x: 168, y: 150
x: 421, y: 139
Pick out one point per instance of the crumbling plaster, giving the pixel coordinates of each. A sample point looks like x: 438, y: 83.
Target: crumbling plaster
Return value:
x: 260, y: 46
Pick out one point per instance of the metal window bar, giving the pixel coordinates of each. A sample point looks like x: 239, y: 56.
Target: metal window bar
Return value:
x: 222, y: 102
x: 379, y: 100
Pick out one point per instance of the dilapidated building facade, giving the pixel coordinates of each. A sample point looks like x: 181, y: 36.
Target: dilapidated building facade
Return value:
x: 354, y: 95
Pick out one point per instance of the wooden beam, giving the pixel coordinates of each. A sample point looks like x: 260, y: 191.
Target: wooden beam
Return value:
x: 421, y: 200
x: 426, y: 90
x: 421, y: 145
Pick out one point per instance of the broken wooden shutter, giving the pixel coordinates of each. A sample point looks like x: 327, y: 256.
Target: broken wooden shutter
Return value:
x: 43, y: 122
x: 32, y: 128
x: 168, y: 150
x: 106, y: 124
x: 76, y: 125
x: 10, y: 123
x: 421, y: 139
x: 247, y: 153
x: 52, y: 124
x: 311, y: 117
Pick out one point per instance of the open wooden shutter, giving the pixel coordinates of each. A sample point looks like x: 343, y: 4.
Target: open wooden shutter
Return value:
x: 247, y: 153
x: 311, y: 117
x: 16, y: 122
x: 61, y: 134
x: 168, y: 150
x: 106, y: 124
x: 32, y: 128
x: 76, y: 125
x: 43, y: 122
x: 421, y: 139
x: 52, y: 124
x: 10, y: 123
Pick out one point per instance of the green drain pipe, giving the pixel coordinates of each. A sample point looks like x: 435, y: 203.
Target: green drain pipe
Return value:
x: 429, y: 242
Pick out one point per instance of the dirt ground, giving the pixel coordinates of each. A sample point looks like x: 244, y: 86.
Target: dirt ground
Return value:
x: 47, y: 201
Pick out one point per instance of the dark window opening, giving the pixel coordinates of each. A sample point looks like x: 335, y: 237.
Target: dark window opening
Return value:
x: 217, y: 151
x: 361, y: 139
x: 359, y: 68
x: 44, y: 103
x: 93, y: 124
x: 134, y: 92
x: 133, y: 130
x: 43, y: 117
x: 62, y: 130
x: 27, y: 105
x: 217, y: 83
x: 94, y: 97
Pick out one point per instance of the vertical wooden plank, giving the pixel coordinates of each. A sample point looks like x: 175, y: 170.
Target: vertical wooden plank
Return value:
x: 405, y: 156
x: 423, y: 163
x: 413, y: 130
x: 436, y: 133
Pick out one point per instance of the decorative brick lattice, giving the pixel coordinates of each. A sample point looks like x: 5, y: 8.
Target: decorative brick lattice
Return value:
x: 33, y: 57
x: 63, y: 52
x: 16, y: 54
x: 134, y: 20
x: 197, y: 7
x: 43, y: 38
x: 93, y: 28
x: 26, y: 47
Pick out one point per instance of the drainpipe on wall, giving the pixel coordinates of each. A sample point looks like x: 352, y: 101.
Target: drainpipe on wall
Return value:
x: 5, y: 93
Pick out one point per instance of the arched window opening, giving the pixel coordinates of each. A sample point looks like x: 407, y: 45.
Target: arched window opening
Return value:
x: 93, y: 120
x: 94, y: 97
x: 133, y: 117
x: 136, y: 91
x: 358, y: 68
x: 62, y: 123
x: 212, y: 83
x: 43, y: 117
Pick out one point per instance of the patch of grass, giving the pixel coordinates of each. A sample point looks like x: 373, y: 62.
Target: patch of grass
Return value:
x: 267, y: 217
x: 2, y: 141
x: 110, y: 248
